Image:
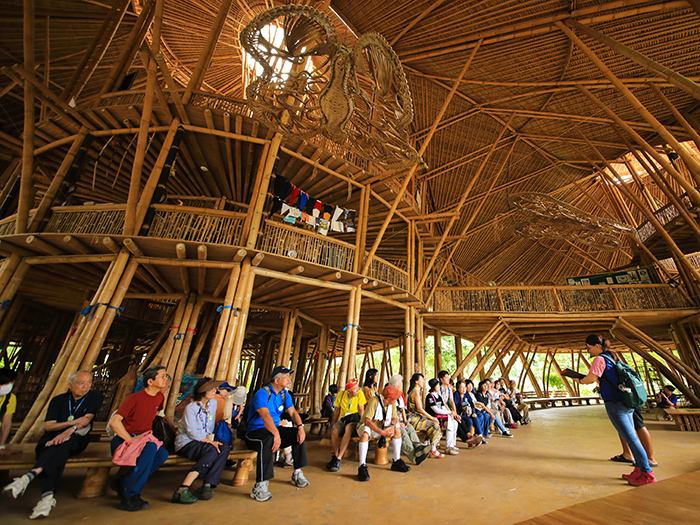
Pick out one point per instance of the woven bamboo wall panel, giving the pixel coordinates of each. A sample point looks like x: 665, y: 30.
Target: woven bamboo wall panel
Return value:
x: 456, y: 300
x: 197, y: 226
x: 650, y: 298
x: 526, y: 300
x: 586, y: 300
x: 87, y: 221
x: 279, y: 239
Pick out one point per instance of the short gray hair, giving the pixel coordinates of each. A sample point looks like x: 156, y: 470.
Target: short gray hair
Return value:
x: 74, y: 376
x: 396, y: 381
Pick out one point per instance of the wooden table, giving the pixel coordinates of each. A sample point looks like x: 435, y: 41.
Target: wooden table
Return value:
x: 686, y: 419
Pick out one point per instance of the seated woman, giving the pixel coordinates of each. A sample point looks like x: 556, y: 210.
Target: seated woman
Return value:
x: 515, y: 416
x: 419, y: 418
x: 369, y: 387
x: 665, y: 399
x: 482, y: 396
x: 195, y: 440
x: 470, y: 417
x: 435, y: 406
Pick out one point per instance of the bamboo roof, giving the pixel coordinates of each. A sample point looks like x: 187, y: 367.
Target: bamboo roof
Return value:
x: 525, y: 75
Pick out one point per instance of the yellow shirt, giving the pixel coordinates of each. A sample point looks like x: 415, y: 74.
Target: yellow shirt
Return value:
x: 350, y: 406
x: 11, y: 404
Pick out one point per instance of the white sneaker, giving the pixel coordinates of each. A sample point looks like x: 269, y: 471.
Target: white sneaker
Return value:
x: 42, y: 509
x: 18, y: 486
x: 261, y: 491
x: 299, y: 480
x: 453, y: 451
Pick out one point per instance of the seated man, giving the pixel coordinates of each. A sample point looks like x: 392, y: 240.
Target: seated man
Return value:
x: 380, y: 420
x: 132, y: 424
x: 411, y: 445
x: 67, y: 425
x: 265, y: 435
x: 665, y: 399
x: 517, y: 398
x: 8, y: 403
x: 348, y: 412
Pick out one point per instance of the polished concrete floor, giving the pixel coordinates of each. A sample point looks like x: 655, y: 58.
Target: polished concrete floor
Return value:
x: 561, y: 459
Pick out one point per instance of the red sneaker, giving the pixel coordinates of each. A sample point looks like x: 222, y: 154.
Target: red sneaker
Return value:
x: 632, y: 475
x: 644, y: 478
x: 512, y: 425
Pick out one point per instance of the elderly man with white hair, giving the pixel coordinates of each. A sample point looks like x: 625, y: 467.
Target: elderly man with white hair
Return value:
x: 67, y: 425
x: 411, y: 445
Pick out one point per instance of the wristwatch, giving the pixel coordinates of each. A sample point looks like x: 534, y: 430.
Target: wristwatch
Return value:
x: 75, y: 428
x: 298, y: 426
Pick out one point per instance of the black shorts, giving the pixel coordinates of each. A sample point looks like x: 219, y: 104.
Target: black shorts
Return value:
x: 638, y: 419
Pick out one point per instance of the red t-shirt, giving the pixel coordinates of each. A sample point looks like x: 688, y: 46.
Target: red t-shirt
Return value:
x: 139, y: 410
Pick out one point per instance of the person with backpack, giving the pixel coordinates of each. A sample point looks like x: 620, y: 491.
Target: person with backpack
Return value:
x: 619, y: 390
x: 265, y: 435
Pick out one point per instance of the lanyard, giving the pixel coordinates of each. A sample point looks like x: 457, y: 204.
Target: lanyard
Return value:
x: 204, y: 421
x: 72, y: 410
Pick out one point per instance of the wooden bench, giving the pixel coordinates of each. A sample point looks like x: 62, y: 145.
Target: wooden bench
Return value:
x: 547, y: 402
x: 97, y: 458
x: 686, y: 419
x: 318, y: 425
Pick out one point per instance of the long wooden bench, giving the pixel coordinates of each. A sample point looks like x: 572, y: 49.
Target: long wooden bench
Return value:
x: 97, y: 458
x: 547, y: 402
x: 686, y: 419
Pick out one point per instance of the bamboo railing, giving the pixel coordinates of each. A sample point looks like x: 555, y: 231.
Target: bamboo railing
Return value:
x: 664, y: 215
x: 289, y: 241
x: 382, y: 270
x: 98, y: 219
x: 558, y: 298
x: 202, y: 225
x: 7, y: 225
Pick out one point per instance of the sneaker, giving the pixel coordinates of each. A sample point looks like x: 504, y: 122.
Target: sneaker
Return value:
x: 420, y: 458
x: 362, y: 473
x: 512, y: 425
x: 484, y: 442
x: 398, y: 465
x: 42, y: 509
x: 204, y: 492
x: 334, y: 464
x: 18, y: 486
x: 436, y: 454
x: 475, y: 441
x: 632, y: 475
x: 299, y: 480
x: 133, y: 504
x: 507, y: 434
x: 185, y: 497
x: 452, y: 451
x: 260, y: 491
x: 644, y: 478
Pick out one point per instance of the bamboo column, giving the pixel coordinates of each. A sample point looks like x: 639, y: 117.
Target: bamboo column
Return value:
x: 347, y: 353
x: 163, y: 355
x: 493, y: 331
x: 318, y: 374
x: 254, y: 217
x: 24, y: 203
x: 10, y: 290
x: 179, y: 339
x: 227, y: 341
x: 420, y: 347
x: 225, y: 309
x: 240, y: 327
x: 287, y: 337
x: 458, y: 352
x: 437, y: 344
x: 355, y: 333
x: 202, y: 338
x: 164, y: 330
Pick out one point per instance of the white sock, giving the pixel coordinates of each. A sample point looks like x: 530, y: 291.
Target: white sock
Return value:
x: 364, y: 447
x: 397, y: 449
x: 433, y: 448
x: 297, y: 470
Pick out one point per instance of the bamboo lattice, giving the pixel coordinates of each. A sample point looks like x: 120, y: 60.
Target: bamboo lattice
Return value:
x: 92, y: 220
x: 528, y: 299
x: 280, y: 239
x: 7, y: 225
x: 197, y: 225
x: 650, y: 298
x: 664, y: 215
x: 384, y: 271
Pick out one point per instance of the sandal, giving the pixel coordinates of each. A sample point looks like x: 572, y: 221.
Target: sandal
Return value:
x: 621, y: 459
x: 436, y: 454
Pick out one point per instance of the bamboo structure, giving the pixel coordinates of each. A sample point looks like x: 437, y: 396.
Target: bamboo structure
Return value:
x: 512, y: 189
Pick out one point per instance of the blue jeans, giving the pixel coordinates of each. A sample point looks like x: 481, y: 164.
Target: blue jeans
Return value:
x: 482, y: 421
x: 498, y: 423
x: 621, y: 418
x: 150, y: 460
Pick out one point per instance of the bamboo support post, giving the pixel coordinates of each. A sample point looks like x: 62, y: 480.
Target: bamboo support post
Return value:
x: 234, y: 319
x: 24, y: 202
x: 345, y: 367
x: 226, y: 310
x: 493, y: 331
x: 203, y: 336
x: 163, y: 356
x: 239, y: 335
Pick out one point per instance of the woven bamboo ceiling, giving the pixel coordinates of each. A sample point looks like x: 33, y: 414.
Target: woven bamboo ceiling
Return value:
x: 521, y: 91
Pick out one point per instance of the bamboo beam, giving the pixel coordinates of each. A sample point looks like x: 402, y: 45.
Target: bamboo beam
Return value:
x: 493, y: 331
x: 670, y: 75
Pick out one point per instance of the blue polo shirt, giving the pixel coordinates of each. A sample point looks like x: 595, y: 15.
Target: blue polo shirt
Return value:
x: 275, y: 403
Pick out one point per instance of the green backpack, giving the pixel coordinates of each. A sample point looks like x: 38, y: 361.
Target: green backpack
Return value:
x: 630, y: 388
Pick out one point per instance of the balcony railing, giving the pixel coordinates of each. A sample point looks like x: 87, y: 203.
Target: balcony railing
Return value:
x: 98, y: 219
x: 664, y: 216
x: 382, y: 270
x: 559, y: 298
x: 202, y: 225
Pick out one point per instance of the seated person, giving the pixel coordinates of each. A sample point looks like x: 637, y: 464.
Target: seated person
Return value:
x: 369, y: 387
x: 665, y: 399
x: 411, y: 445
x: 132, y: 423
x: 482, y: 396
x: 265, y: 435
x: 436, y: 407
x: 66, y: 433
x: 380, y: 420
x: 195, y: 441
x: 8, y: 403
x: 329, y: 402
x: 515, y: 416
x: 470, y: 418
x: 517, y: 398
x: 419, y: 418
x: 498, y: 403
x: 348, y: 412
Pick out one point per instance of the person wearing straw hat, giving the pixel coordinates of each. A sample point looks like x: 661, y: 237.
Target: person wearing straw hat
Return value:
x: 381, y: 420
x: 350, y: 406
x: 195, y: 441
x: 265, y: 435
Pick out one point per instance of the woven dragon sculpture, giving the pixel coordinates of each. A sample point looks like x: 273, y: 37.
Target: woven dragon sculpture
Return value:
x: 310, y: 84
x: 554, y: 219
